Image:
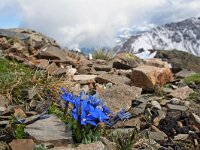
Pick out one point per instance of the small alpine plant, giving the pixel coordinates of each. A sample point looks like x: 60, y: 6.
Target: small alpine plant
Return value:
x: 88, y: 111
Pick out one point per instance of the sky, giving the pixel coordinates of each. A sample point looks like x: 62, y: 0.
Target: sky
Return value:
x: 92, y: 23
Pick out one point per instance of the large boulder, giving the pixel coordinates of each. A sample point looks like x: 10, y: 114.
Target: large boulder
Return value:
x: 154, y: 73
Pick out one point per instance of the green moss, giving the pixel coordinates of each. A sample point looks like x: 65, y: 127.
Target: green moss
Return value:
x: 192, y: 96
x: 192, y: 79
x: 131, y: 56
x: 11, y: 73
x: 54, y: 109
x: 15, y: 77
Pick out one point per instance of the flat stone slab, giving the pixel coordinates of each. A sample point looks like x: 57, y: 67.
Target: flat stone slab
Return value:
x: 184, y: 73
x: 51, y: 130
x: 120, y: 96
x: 177, y: 107
x: 84, y: 77
x: 102, y: 67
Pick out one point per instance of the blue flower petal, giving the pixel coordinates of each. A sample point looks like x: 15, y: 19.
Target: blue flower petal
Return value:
x: 74, y: 114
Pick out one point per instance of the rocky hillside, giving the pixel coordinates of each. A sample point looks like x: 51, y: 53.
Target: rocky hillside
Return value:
x: 53, y: 98
x: 183, y: 35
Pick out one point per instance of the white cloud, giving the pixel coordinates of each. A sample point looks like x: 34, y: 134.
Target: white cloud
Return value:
x: 95, y: 22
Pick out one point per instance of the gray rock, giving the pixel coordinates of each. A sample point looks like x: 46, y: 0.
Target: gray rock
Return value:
x: 70, y: 71
x: 134, y: 122
x: 102, y: 67
x: 158, y: 136
x: 50, y: 130
x: 115, y: 132
x: 180, y: 59
x: 184, y: 73
x: 186, y: 103
x: 177, y: 107
x: 11, y: 34
x: 156, y: 104
x: 4, y: 122
x: 53, y: 69
x: 112, y: 78
x: 108, y: 144
x: 196, y: 118
x: 181, y: 93
x: 181, y: 137
x: 30, y: 93
x: 43, y: 106
x: 167, y: 90
x: 93, y: 146
x: 139, y: 106
x: 52, y: 52
x: 120, y: 96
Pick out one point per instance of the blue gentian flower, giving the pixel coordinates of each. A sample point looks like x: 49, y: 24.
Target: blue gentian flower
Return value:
x: 90, y: 110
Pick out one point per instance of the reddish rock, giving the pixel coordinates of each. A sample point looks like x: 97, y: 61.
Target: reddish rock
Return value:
x: 151, y: 75
x: 41, y: 63
x: 18, y: 112
x: 20, y: 144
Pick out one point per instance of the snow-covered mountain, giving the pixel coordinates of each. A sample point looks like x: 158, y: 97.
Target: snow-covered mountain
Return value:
x: 183, y: 35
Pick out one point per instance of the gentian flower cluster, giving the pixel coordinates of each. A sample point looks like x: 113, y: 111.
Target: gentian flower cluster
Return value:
x: 87, y: 109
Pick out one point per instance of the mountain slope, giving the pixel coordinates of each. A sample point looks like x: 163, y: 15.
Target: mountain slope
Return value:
x: 183, y: 35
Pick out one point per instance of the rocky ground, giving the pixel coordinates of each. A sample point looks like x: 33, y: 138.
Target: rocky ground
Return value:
x: 162, y: 96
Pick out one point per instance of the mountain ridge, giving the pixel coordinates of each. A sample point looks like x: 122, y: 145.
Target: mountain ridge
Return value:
x: 183, y: 35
